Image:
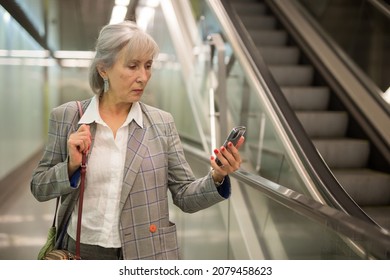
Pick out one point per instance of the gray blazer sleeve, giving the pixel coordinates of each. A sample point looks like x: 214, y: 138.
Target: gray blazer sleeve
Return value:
x: 50, y: 178
x: 188, y: 193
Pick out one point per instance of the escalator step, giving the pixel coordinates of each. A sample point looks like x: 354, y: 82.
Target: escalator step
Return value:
x: 259, y: 22
x: 277, y: 55
x: 249, y: 7
x: 307, y: 98
x: 263, y: 38
x: 343, y: 153
x: 367, y: 187
x: 324, y: 124
x: 289, y: 75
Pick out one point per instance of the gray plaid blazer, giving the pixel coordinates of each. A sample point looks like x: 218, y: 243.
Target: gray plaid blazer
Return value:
x: 155, y: 162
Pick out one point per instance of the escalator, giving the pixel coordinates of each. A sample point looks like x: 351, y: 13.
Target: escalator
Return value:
x: 359, y: 164
x: 285, y: 203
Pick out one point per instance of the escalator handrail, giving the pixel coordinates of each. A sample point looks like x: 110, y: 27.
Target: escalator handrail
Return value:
x: 375, y: 239
x: 381, y: 7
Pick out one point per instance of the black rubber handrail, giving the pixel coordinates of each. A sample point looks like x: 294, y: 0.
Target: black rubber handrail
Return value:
x: 374, y: 240
x: 381, y: 6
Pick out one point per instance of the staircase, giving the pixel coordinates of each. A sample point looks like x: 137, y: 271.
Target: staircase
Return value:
x: 314, y: 105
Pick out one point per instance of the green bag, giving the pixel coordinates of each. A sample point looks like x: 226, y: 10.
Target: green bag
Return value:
x: 48, y: 251
x: 50, y: 243
x: 51, y: 236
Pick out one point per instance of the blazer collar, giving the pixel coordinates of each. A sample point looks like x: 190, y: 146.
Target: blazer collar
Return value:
x: 136, y: 150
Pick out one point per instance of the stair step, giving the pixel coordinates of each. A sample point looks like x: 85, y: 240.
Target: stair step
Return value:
x: 307, y: 98
x: 259, y: 22
x: 343, y: 153
x: 342, y: 10
x: 324, y: 124
x: 280, y: 55
x: 288, y: 75
x: 263, y: 38
x: 249, y: 7
x: 367, y: 187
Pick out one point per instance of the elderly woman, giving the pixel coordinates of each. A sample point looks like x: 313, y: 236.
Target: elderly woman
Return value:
x: 134, y: 157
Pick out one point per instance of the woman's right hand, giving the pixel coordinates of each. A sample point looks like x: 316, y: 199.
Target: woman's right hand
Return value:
x: 79, y: 143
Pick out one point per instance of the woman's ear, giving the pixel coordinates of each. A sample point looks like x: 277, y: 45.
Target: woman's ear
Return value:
x: 101, y: 70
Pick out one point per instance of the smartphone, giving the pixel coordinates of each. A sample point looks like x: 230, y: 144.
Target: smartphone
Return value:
x: 234, y: 135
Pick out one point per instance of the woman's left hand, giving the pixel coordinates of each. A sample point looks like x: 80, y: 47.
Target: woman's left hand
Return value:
x: 230, y: 159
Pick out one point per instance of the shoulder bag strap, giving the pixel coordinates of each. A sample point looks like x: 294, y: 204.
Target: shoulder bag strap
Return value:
x: 55, y: 213
x: 81, y: 197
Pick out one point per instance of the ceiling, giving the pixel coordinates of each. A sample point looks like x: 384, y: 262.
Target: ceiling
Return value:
x: 79, y: 22
x: 71, y: 25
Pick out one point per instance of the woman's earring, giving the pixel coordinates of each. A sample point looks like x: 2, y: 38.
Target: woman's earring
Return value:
x: 106, y: 85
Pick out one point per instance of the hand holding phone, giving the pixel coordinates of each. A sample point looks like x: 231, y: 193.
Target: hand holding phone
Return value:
x: 234, y: 135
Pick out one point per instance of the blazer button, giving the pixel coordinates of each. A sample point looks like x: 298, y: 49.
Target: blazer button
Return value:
x: 152, y: 228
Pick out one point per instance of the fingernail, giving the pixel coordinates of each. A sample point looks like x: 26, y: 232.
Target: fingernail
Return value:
x: 223, y: 149
x: 230, y: 144
x: 216, y: 151
x: 212, y: 158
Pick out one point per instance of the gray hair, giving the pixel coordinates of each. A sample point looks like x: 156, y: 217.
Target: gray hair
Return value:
x: 112, y: 39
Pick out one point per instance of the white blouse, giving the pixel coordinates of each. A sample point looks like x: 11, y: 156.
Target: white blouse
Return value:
x: 103, y: 182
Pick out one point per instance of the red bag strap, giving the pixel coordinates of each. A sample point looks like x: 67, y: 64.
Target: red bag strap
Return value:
x: 81, y: 197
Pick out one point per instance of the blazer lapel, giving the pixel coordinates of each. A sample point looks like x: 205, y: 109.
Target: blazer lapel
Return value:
x: 136, y: 150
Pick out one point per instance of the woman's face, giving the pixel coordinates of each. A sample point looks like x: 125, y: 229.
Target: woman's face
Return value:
x: 128, y: 78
